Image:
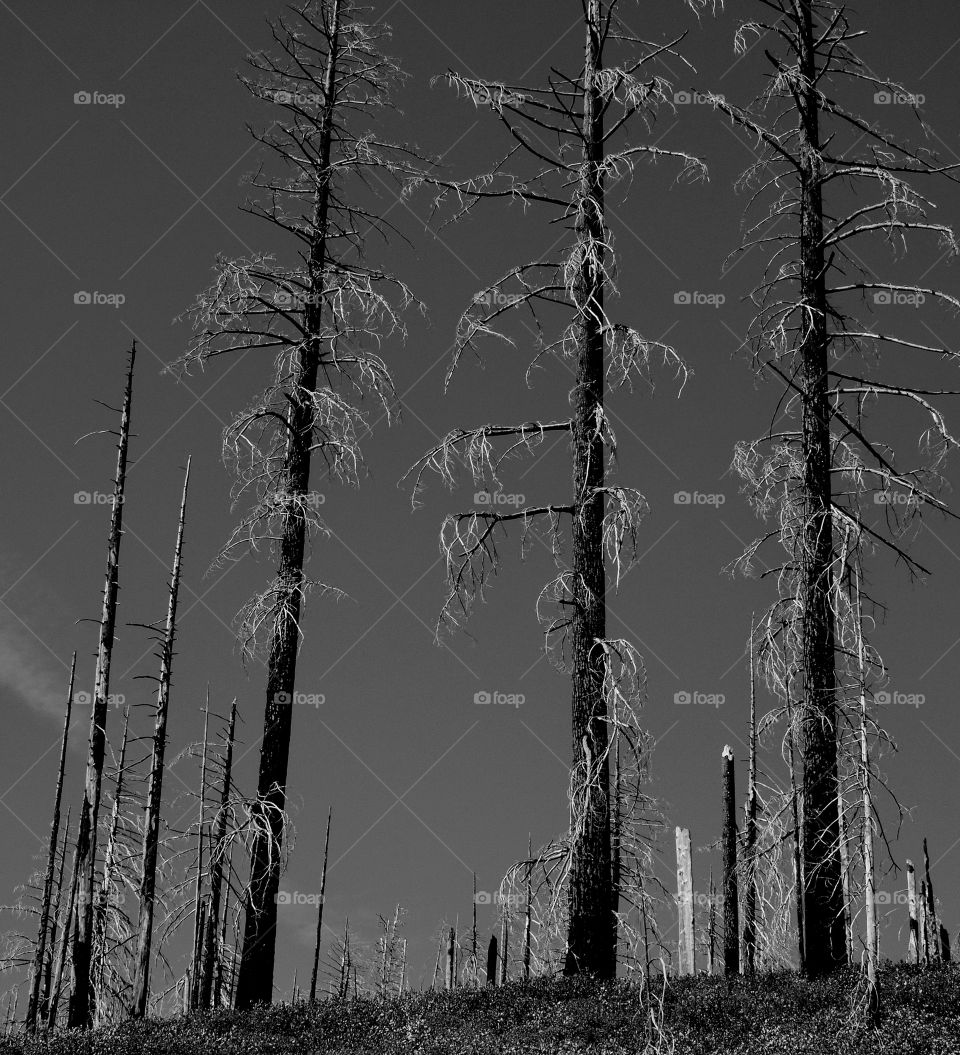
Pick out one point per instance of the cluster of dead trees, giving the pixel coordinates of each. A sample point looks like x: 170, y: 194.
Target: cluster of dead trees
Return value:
x: 825, y: 181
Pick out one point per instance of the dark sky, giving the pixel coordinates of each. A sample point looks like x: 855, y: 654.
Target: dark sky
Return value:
x: 137, y: 199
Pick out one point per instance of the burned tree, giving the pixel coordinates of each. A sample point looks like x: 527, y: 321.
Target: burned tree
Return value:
x: 571, y: 150
x: 80, y: 1011
x: 39, y: 955
x: 314, y: 311
x: 834, y: 182
x: 151, y: 821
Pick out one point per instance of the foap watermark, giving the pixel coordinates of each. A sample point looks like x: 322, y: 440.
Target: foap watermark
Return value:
x: 899, y: 699
x: 891, y: 897
x: 899, y: 298
x: 300, y: 699
x: 297, y: 897
x: 696, y: 99
x: 493, y: 95
x: 698, y: 498
x: 283, y: 98
x: 888, y: 98
x: 95, y: 498
x: 493, y: 298
x: 485, y: 897
x: 500, y: 699
x: 84, y: 699
x: 699, y: 699
x: 498, y: 498
x: 285, y: 298
x: 96, y: 299
x: 696, y: 298
x: 114, y: 99
x: 895, y: 498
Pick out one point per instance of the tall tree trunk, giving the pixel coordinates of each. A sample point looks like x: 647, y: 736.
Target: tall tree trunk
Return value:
x: 323, y: 894
x: 43, y: 1010
x: 81, y: 1012
x: 67, y: 928
x: 731, y: 901
x: 823, y: 893
x: 109, y: 864
x: 255, y: 983
x: 686, y: 954
x: 218, y: 850
x: 913, y: 947
x: 39, y: 954
x: 750, y: 832
x: 151, y: 823
x: 796, y: 814
x: 198, y: 925
x: 591, y: 934
x: 930, y: 912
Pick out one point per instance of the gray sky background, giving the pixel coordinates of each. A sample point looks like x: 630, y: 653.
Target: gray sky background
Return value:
x: 426, y: 787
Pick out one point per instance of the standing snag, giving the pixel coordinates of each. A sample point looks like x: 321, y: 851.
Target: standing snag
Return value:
x: 324, y: 159
x: 828, y: 182
x: 587, y: 116
x: 80, y: 1007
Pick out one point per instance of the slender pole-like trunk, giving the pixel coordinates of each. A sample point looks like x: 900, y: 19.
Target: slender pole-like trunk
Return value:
x: 913, y: 946
x: 101, y: 923
x: 731, y: 901
x: 492, y: 960
x: 217, y: 852
x: 823, y: 891
x: 796, y: 815
x: 39, y: 954
x: 930, y: 912
x: 711, y: 926
x: 750, y: 832
x: 56, y: 922
x: 686, y: 962
x: 451, y: 973
x: 80, y: 1011
x: 218, y: 978
x: 591, y: 933
x: 255, y: 983
x: 845, y: 868
x: 151, y: 823
x: 67, y: 927
x: 323, y: 894
x: 504, y: 948
x: 198, y: 925
x: 528, y: 913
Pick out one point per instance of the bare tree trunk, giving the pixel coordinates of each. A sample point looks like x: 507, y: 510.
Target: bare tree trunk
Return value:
x: 56, y: 922
x: 913, y: 947
x: 845, y: 868
x: 217, y: 853
x: 823, y: 894
x: 109, y: 863
x: 711, y: 926
x: 504, y: 948
x: 796, y: 811
x: 492, y: 960
x: 198, y: 927
x: 591, y: 934
x: 930, y: 914
x: 67, y: 927
x: 80, y: 1012
x: 255, y: 983
x: 451, y: 974
x: 323, y: 895
x: 731, y: 900
x: 686, y: 964
x: 151, y: 822
x: 750, y: 831
x: 528, y: 915
x: 41, y: 948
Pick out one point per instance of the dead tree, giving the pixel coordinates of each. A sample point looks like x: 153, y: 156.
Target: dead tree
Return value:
x: 325, y: 90
x: 586, y: 117
x: 834, y: 181
x: 218, y: 851
x: 45, y: 917
x: 323, y: 894
x: 80, y: 1010
x: 151, y: 820
x: 102, y: 919
x: 731, y: 899
x: 43, y: 1008
x: 750, y: 830
x: 67, y: 928
x: 198, y: 924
